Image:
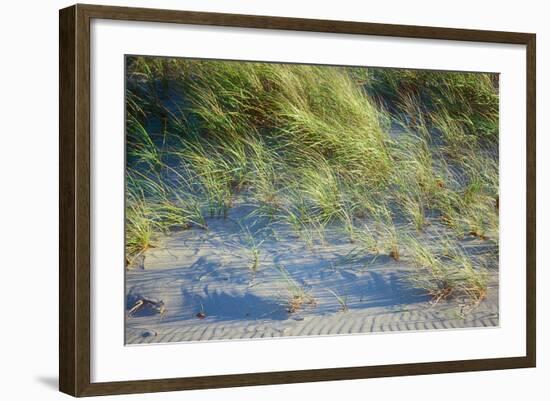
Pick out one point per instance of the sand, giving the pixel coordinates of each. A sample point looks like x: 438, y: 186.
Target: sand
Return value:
x: 205, y: 280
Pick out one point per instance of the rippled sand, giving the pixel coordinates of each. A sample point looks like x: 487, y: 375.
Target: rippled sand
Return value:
x: 208, y: 273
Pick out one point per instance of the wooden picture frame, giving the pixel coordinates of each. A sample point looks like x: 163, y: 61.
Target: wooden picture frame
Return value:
x: 74, y: 203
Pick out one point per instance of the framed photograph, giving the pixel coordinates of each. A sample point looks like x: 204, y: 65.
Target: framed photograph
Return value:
x: 250, y: 200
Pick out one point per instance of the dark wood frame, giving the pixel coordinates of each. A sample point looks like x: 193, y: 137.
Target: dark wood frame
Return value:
x: 74, y: 199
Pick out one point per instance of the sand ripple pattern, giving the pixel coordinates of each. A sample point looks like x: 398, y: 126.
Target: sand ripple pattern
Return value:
x: 436, y: 317
x: 201, y: 271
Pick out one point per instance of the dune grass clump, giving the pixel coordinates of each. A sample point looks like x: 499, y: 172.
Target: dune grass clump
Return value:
x: 445, y: 270
x: 301, y: 221
x: 416, y: 182
x: 462, y: 188
x: 267, y: 176
x: 341, y: 300
x: 470, y: 203
x: 138, y: 230
x: 213, y: 175
x: 319, y: 188
x: 307, y: 109
x: 251, y: 246
x: 324, y: 112
x: 152, y: 209
x: 470, y: 100
x: 432, y: 274
x: 298, y: 296
x: 367, y: 239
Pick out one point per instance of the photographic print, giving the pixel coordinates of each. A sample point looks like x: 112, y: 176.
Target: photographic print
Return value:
x: 283, y: 200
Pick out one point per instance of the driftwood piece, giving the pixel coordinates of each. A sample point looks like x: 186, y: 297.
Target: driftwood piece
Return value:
x: 144, y: 302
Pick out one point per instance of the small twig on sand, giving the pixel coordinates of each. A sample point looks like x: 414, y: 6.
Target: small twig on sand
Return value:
x: 144, y: 302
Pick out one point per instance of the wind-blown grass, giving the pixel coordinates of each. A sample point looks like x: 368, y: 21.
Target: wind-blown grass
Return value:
x: 312, y: 148
x: 470, y: 100
x: 298, y: 296
x: 444, y: 270
x: 341, y: 300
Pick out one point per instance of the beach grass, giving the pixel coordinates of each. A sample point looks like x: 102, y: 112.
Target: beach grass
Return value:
x: 298, y: 297
x: 312, y: 148
x: 445, y: 270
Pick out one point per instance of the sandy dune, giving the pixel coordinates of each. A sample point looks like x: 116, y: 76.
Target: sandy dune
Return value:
x: 209, y: 272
